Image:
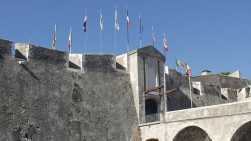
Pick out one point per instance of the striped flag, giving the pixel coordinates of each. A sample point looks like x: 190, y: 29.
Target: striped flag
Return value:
x: 116, y: 21
x: 54, y: 37
x: 85, y: 24
x: 188, y: 70
x: 101, y: 22
x: 165, y: 42
x: 70, y: 41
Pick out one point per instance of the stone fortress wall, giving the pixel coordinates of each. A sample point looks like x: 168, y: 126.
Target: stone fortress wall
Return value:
x: 43, y: 99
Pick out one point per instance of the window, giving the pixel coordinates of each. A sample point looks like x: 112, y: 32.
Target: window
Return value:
x: 196, y: 87
x: 152, y: 78
x: 151, y: 107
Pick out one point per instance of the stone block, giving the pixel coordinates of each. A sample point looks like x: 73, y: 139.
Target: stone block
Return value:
x: 99, y: 63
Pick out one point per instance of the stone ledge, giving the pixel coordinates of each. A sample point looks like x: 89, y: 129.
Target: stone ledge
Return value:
x: 228, y: 109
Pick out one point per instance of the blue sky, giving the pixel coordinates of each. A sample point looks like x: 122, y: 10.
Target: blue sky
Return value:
x: 207, y: 34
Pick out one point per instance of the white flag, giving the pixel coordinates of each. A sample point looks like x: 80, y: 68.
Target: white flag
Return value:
x: 54, y: 37
x: 116, y: 21
x: 70, y: 41
x: 165, y: 42
x: 101, y: 22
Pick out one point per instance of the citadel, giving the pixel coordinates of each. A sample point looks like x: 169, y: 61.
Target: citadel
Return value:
x: 50, y: 95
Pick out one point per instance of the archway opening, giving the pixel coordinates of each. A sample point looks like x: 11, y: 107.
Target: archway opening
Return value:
x: 152, y: 140
x: 192, y: 133
x: 243, y: 133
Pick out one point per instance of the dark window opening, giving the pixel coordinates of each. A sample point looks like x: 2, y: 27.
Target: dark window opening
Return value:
x: 76, y: 94
x: 151, y: 111
x: 151, y: 107
x: 223, y: 97
x: 196, y: 91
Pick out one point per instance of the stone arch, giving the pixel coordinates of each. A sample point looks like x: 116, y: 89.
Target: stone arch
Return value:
x: 192, y: 133
x: 152, y: 139
x: 243, y: 133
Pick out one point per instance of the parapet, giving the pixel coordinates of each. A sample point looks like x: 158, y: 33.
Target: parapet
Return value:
x: 102, y: 63
x: 28, y: 53
x: 33, y: 53
x: 86, y: 63
x: 5, y: 48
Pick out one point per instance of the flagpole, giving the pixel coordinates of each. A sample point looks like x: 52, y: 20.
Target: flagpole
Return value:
x: 153, y: 37
x: 116, y: 29
x: 101, y: 30
x: 100, y: 44
x: 127, y: 32
x: 165, y: 95
x: 85, y: 34
x: 55, y: 36
x: 70, y: 41
x: 140, y: 32
x: 190, y: 91
x: 114, y: 42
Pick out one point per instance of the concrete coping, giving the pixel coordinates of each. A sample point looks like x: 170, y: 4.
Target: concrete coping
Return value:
x: 228, y: 109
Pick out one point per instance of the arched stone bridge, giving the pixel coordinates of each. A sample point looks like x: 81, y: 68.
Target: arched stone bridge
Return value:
x: 226, y: 122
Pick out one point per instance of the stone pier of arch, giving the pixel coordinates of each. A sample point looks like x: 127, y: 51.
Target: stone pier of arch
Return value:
x: 226, y: 122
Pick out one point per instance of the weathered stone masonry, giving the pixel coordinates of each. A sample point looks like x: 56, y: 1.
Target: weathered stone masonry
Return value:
x: 44, y: 100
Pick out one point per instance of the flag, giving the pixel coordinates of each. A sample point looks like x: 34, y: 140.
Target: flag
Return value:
x: 188, y: 70
x: 54, y: 38
x: 165, y: 42
x: 85, y: 24
x: 127, y: 20
x: 70, y: 41
x: 140, y: 25
x: 101, y: 22
x: 116, y: 21
x: 178, y: 63
x: 153, y: 36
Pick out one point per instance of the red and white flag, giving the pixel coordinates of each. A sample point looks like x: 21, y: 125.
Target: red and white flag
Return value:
x: 116, y: 21
x: 54, y: 37
x: 101, y: 22
x: 165, y: 42
x: 70, y: 41
x: 188, y: 71
x: 85, y: 24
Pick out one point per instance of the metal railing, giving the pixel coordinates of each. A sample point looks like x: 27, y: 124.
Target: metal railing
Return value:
x: 152, y: 117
